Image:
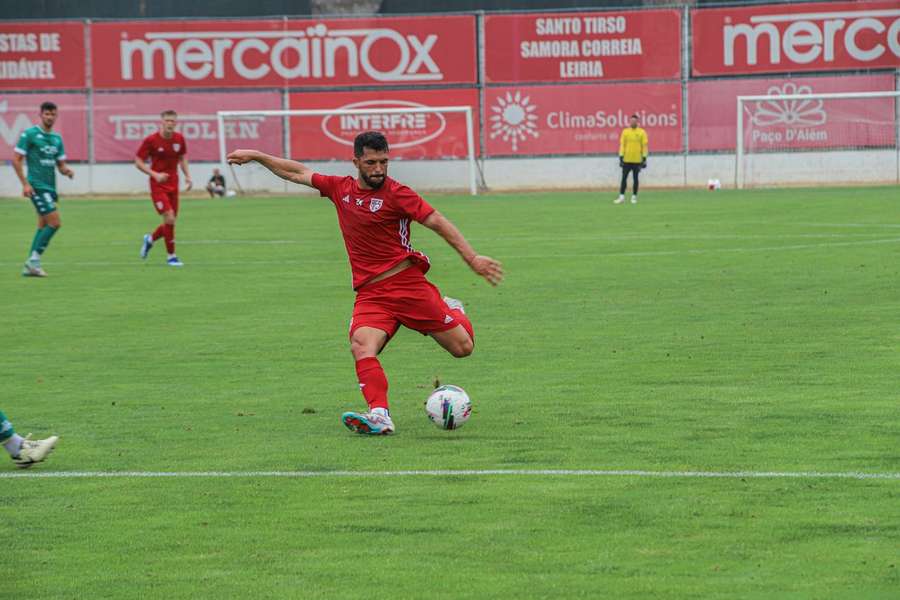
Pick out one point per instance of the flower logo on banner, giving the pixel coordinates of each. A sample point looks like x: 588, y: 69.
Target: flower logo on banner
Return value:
x: 806, y: 112
x: 513, y: 119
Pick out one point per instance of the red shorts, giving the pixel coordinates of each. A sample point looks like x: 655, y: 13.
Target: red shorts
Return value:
x: 164, y: 201
x: 407, y: 299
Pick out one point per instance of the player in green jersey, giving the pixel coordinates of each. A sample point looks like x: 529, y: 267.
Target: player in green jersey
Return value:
x: 42, y: 150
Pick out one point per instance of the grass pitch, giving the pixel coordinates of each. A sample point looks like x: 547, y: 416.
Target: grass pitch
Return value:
x: 737, y: 331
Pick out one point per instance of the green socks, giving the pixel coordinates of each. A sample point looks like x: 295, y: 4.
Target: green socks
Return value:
x: 42, y: 239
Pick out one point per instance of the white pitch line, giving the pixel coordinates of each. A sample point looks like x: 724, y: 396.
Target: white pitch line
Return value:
x: 451, y: 473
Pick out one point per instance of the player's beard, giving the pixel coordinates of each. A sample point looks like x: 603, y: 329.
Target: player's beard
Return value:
x: 373, y: 183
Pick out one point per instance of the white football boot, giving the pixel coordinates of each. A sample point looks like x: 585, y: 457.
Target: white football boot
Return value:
x: 34, y: 451
x: 33, y: 268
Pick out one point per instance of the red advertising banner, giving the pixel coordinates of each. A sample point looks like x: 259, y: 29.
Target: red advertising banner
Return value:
x: 410, y: 135
x: 580, y: 119
x: 122, y: 121
x: 712, y: 113
x: 796, y: 37
x: 586, y: 46
x: 274, y: 52
x: 41, y: 56
x: 18, y: 112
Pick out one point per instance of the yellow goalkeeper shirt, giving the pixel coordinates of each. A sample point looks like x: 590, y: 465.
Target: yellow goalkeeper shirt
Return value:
x: 633, y: 144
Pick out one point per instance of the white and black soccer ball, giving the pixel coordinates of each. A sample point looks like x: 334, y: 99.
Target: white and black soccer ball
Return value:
x: 448, y: 407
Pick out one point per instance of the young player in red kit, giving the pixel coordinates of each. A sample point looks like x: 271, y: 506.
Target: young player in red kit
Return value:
x: 374, y: 213
x: 166, y: 150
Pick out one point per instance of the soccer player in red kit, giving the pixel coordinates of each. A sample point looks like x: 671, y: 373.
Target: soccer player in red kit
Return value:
x: 166, y: 150
x: 374, y: 213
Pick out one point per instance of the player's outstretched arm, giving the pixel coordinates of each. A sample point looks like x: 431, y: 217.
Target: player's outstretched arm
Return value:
x: 485, y: 266
x: 289, y: 170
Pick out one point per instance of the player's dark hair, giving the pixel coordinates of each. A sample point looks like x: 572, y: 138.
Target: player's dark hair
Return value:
x: 374, y: 140
x: 634, y: 116
x: 168, y: 113
x: 47, y: 106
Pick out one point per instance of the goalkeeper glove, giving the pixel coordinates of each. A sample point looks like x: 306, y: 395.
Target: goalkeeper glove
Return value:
x: 621, y: 162
x: 644, y: 163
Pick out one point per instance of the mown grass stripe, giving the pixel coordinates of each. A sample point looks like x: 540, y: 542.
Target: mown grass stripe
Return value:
x: 458, y: 473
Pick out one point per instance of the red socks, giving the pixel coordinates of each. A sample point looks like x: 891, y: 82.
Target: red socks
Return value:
x: 372, y: 382
x: 168, y: 232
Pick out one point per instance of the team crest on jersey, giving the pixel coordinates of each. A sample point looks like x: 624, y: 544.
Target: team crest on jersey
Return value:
x: 375, y: 204
x: 176, y: 147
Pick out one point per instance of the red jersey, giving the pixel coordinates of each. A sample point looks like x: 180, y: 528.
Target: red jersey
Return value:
x: 164, y: 155
x: 375, y: 224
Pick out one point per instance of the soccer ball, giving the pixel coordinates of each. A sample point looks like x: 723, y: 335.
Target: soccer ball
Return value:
x: 448, y: 407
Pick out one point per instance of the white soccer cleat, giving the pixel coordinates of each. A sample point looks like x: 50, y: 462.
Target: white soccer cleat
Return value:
x: 634, y: 199
x: 33, y: 268
x: 34, y: 451
x: 619, y: 200
x: 368, y: 423
x: 453, y: 303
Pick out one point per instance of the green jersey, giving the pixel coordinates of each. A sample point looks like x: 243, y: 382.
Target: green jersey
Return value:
x: 41, y: 151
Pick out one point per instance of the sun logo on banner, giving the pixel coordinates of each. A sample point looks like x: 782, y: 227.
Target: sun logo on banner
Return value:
x: 513, y: 119
x: 806, y: 112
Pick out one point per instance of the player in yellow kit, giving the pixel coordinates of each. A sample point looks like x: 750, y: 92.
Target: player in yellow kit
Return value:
x: 632, y: 157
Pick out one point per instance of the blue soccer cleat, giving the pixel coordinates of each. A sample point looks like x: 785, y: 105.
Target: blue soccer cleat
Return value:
x: 174, y: 262
x: 146, y: 245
